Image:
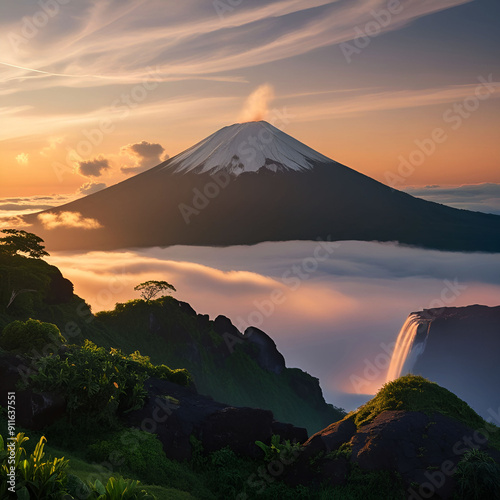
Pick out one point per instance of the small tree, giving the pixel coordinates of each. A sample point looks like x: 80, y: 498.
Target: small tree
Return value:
x: 151, y: 289
x: 22, y: 242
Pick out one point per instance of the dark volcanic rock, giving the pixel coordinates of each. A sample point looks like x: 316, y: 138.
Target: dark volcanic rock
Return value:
x: 223, y: 326
x: 268, y: 356
x: 237, y: 428
x: 423, y: 449
x: 290, y: 432
x: 331, y: 438
x: 60, y: 289
x: 175, y: 413
x: 461, y: 346
x: 33, y: 410
x: 38, y: 410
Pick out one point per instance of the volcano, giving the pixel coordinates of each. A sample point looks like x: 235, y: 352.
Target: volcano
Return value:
x: 249, y: 183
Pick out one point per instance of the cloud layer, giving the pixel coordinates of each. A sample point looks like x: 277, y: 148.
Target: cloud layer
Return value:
x: 477, y: 197
x: 67, y: 220
x: 333, y: 321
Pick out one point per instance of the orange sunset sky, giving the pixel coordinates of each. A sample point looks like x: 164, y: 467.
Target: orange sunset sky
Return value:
x: 94, y: 92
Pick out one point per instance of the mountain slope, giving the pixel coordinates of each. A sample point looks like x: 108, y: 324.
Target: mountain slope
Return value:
x: 241, y: 370
x: 252, y: 183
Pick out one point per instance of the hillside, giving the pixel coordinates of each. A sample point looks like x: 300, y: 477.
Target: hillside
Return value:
x: 225, y: 364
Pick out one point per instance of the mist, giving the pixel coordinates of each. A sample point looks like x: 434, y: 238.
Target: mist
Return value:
x: 334, y: 309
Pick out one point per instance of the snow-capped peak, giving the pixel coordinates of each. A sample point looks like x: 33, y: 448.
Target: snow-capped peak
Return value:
x: 246, y: 147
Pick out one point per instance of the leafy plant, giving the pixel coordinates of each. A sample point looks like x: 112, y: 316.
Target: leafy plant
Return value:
x: 118, y: 489
x: 477, y: 476
x: 22, y: 242
x: 37, y: 477
x: 285, y: 451
x: 98, y: 382
x: 31, y: 334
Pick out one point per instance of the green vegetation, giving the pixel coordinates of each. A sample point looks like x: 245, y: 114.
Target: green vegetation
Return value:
x: 415, y: 393
x: 178, y: 340
x: 20, y: 242
x: 167, y: 331
x: 286, y: 451
x: 151, y: 289
x: 99, y: 383
x: 23, y: 336
x: 35, y: 477
x: 41, y: 477
x: 478, y: 477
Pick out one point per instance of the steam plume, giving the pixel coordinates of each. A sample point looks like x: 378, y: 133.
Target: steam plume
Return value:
x: 257, y: 104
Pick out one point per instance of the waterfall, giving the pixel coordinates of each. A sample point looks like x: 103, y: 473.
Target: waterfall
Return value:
x: 407, y: 350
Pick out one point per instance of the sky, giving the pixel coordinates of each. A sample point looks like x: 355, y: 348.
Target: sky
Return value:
x: 406, y: 92
x: 94, y: 92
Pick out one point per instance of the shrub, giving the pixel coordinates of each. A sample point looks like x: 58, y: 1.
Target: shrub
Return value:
x: 140, y: 455
x: 36, y: 476
x: 415, y: 393
x: 277, y: 450
x: 118, y: 489
x: 31, y: 334
x: 477, y: 476
x: 94, y: 381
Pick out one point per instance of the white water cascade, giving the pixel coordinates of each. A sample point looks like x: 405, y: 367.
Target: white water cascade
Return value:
x: 407, y: 350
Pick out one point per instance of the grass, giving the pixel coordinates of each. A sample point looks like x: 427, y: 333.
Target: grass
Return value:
x: 415, y: 393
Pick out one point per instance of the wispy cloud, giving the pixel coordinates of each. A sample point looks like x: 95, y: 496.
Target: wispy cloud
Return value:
x: 91, y: 187
x: 115, y: 41
x: 362, y: 102
x: 478, y: 197
x: 68, y: 220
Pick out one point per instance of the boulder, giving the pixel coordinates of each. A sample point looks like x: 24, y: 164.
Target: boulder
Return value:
x: 176, y: 413
x: 290, y: 432
x: 268, y: 356
x: 36, y: 411
x: 331, y: 438
x: 424, y: 449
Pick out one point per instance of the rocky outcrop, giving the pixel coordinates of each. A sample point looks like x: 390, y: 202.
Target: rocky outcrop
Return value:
x: 176, y: 413
x: 268, y: 355
x: 33, y: 410
x: 423, y: 449
x: 331, y: 438
x: 460, y: 352
x: 60, y: 289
